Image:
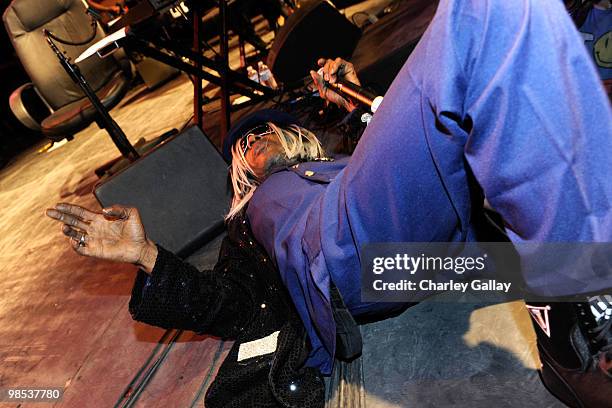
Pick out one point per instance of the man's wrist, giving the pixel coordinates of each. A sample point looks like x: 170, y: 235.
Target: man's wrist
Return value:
x: 147, y: 257
x: 348, y: 105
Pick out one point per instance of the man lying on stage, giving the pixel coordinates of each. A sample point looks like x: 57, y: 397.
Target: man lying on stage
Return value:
x: 499, y: 99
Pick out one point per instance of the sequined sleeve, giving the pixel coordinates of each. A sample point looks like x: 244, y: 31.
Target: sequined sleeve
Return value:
x: 177, y: 295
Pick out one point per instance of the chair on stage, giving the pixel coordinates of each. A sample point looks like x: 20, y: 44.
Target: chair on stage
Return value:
x: 53, y: 103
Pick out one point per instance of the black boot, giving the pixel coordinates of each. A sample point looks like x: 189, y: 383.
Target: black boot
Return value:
x: 576, y: 353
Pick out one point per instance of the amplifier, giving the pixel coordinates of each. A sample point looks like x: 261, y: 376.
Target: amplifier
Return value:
x: 180, y: 189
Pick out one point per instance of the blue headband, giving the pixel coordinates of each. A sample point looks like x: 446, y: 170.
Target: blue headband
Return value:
x: 251, y: 121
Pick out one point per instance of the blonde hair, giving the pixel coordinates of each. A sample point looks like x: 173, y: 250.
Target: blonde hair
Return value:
x: 298, y: 145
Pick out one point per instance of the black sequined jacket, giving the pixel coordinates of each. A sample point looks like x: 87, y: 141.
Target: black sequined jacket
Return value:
x: 242, y: 298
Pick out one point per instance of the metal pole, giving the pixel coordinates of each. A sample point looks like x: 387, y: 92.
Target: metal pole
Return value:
x: 115, y: 132
x: 197, y: 79
x: 225, y: 95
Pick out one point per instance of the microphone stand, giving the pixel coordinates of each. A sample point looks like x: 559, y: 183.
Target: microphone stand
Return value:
x: 104, y: 119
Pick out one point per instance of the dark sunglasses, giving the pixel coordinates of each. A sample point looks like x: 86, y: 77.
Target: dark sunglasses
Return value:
x: 254, y: 135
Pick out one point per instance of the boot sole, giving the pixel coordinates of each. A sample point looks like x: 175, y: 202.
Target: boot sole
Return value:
x: 555, y: 383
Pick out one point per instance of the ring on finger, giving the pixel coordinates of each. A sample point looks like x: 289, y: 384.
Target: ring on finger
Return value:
x: 81, y: 242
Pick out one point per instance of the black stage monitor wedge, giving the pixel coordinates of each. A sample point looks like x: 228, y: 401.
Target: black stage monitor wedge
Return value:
x: 180, y: 189
x: 316, y: 29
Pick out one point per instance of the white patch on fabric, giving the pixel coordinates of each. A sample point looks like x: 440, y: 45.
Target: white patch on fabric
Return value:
x: 259, y: 347
x: 540, y: 316
x: 601, y: 307
x: 586, y: 36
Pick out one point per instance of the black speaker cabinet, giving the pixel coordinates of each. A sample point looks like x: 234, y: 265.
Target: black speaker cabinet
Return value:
x: 385, y: 45
x: 180, y: 189
x: 316, y: 29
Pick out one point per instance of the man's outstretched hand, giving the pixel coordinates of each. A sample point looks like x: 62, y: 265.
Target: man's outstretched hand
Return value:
x: 116, y: 234
x: 331, y: 70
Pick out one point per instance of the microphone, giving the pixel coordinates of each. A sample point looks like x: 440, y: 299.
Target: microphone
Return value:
x: 365, y: 97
